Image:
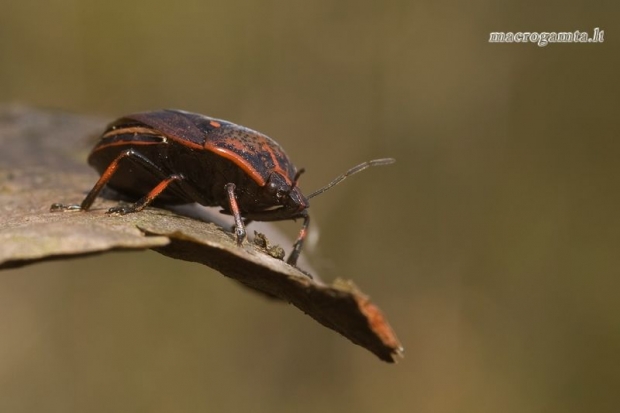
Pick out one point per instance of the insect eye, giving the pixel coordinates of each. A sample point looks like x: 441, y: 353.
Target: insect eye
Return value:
x: 280, y: 194
x: 272, y: 187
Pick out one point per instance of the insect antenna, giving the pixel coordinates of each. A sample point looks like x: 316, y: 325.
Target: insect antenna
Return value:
x: 297, y: 175
x: 352, y: 171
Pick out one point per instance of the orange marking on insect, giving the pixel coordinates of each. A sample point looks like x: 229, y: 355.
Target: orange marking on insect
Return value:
x: 185, y: 142
x: 276, y: 165
x: 215, y: 124
x: 125, y: 143
x: 239, y: 146
x: 237, y: 160
x: 134, y: 129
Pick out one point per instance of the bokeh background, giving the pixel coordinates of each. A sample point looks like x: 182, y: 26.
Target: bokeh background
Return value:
x: 491, y: 245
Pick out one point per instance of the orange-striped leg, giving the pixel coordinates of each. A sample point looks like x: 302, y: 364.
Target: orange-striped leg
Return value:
x: 234, y: 209
x: 105, y: 177
x: 147, y: 199
x: 292, y: 259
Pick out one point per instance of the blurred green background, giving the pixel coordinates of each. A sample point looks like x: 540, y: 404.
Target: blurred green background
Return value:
x: 491, y: 245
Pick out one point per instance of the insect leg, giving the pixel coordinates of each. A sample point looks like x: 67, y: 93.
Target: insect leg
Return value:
x: 234, y: 209
x: 148, y: 198
x: 105, y: 177
x: 292, y: 259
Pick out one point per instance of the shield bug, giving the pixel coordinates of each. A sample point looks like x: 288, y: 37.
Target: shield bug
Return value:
x: 177, y: 157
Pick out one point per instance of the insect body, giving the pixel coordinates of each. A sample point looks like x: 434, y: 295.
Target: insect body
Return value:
x: 177, y: 157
